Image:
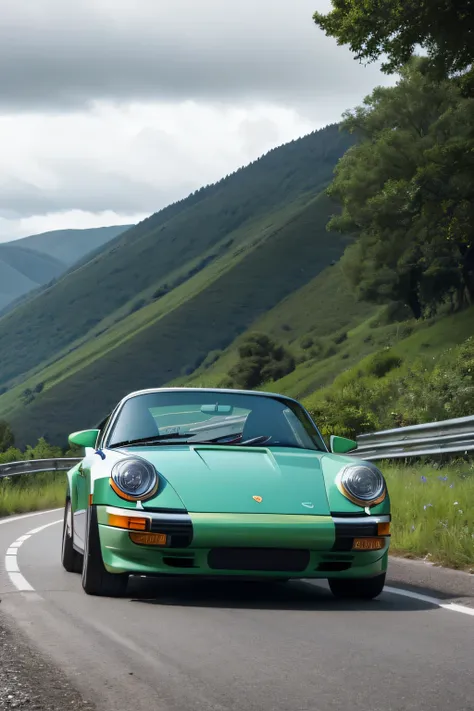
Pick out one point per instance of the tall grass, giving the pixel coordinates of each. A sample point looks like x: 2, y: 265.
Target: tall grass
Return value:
x: 32, y: 493
x: 433, y: 512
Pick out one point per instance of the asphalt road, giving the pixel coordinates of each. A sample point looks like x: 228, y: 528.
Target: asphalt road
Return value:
x: 183, y: 645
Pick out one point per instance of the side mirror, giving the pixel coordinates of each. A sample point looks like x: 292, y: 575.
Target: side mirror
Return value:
x: 84, y: 438
x: 341, y: 445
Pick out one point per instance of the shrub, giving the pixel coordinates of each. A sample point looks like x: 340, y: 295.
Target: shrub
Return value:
x: 306, y: 342
x: 260, y: 360
x: 383, y: 362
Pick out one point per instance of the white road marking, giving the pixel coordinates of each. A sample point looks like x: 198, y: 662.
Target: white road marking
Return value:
x: 11, y: 564
x: 12, y: 519
x: 11, y: 558
x: 21, y: 584
x: 452, y: 606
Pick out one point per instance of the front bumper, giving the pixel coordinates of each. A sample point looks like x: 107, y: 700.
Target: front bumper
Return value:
x: 249, y: 545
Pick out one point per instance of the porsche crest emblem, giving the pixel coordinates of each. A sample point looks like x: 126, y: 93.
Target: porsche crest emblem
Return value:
x: 258, y: 499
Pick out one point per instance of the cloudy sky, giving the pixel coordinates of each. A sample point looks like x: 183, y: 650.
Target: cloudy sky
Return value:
x: 111, y: 109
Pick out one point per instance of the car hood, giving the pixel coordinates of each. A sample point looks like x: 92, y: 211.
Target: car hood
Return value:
x: 213, y: 479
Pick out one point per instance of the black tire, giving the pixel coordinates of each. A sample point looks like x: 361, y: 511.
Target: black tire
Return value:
x: 70, y: 558
x: 96, y: 580
x: 357, y: 588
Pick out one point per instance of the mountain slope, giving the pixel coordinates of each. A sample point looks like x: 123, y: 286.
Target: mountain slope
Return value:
x: 164, y: 250
x: 172, y: 335
x: 22, y: 269
x: 28, y: 264
x: 68, y: 246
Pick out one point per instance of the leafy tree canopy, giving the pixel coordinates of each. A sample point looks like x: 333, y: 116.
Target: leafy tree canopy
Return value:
x: 407, y: 191
x: 394, y: 28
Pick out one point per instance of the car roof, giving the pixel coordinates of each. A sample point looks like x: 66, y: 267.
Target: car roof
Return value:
x: 208, y: 390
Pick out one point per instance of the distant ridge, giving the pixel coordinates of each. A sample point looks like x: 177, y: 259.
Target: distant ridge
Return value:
x: 31, y: 262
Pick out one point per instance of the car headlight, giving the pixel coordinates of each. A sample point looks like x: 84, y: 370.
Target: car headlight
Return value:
x: 134, y: 479
x: 363, y: 484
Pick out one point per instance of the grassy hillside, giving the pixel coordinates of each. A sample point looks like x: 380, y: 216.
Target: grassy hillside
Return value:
x: 339, y: 343
x: 317, y: 312
x: 172, y: 335
x: 165, y: 248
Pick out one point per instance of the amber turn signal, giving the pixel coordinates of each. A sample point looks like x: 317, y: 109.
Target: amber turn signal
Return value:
x: 383, y: 529
x: 132, y: 523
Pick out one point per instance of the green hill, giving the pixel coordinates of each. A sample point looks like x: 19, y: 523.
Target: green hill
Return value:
x: 156, y: 300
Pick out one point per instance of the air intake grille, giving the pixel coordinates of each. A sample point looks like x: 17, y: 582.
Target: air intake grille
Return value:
x: 263, y: 559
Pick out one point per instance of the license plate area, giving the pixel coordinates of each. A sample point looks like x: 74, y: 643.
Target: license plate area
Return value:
x: 368, y: 544
x: 149, y: 539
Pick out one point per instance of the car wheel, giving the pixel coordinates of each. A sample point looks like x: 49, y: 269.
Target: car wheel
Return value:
x: 70, y: 558
x: 96, y: 580
x: 357, y: 588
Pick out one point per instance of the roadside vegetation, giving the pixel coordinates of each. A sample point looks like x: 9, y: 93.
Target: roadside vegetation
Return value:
x: 30, y: 492
x: 433, y: 515
x: 39, y: 493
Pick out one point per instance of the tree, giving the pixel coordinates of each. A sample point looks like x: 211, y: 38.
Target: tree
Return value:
x: 373, y: 28
x: 407, y: 192
x: 7, y: 438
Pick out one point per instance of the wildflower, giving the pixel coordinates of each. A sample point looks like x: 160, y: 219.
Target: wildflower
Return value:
x: 443, y: 478
x: 424, y: 479
x: 427, y: 506
x: 456, y: 503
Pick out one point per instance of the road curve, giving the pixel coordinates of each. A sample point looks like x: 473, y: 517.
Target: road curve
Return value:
x: 179, y: 645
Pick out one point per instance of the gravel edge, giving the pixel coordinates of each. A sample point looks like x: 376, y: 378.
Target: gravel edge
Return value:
x: 30, y: 682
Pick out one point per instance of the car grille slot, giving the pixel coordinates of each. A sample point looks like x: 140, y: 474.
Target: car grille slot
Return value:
x: 180, y: 534
x: 354, y: 530
x: 334, y: 566
x: 346, y: 532
x: 262, y: 559
x: 177, y: 562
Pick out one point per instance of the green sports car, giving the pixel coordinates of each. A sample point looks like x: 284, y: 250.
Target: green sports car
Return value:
x: 222, y: 483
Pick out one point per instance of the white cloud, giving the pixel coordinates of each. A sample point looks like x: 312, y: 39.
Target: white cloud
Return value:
x: 114, y: 109
x: 72, y: 219
x: 125, y: 160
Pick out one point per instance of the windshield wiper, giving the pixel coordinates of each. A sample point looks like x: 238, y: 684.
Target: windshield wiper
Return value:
x: 150, y: 440
x: 189, y: 438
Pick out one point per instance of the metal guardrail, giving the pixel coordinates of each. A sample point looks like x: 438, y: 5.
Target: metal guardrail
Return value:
x: 35, y: 466
x: 445, y: 437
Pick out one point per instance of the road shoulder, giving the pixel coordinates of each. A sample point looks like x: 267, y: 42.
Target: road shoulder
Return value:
x: 428, y: 579
x: 28, y: 680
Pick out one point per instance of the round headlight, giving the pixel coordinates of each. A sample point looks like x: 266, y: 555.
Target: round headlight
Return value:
x: 134, y: 479
x: 363, y: 484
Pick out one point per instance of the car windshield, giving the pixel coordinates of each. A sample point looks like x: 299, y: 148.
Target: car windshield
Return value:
x: 219, y: 418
